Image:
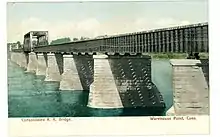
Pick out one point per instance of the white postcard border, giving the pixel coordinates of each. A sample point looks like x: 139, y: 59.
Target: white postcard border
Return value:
x: 101, y: 122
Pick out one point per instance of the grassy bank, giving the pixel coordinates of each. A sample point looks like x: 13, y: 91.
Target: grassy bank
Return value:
x: 175, y: 55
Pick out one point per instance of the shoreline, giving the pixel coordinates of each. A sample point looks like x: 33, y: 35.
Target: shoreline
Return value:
x: 175, y: 55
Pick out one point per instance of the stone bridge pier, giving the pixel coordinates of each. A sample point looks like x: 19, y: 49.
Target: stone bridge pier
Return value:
x: 85, y: 69
x: 190, y: 87
x: 113, y: 81
x: 20, y: 58
x: 116, y: 81
x: 54, y: 67
x: 42, y: 63
x: 32, y: 62
x: 74, y: 72
x: 78, y: 72
x: 70, y: 78
x: 123, y: 82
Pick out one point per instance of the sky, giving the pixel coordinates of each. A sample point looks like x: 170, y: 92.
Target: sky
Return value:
x: 91, y: 19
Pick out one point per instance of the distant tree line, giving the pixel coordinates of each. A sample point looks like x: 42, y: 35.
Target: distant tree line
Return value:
x: 66, y: 39
x: 60, y: 40
x: 56, y: 41
x: 53, y: 42
x: 75, y: 39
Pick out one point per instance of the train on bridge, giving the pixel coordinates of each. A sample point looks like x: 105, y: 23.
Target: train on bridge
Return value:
x: 181, y: 39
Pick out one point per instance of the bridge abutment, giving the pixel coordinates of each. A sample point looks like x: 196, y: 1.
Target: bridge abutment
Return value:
x: 70, y: 78
x: 54, y: 67
x: 41, y: 64
x: 190, y: 87
x: 32, y: 63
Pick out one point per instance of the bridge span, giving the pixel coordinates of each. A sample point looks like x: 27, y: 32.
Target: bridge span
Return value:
x: 180, y: 39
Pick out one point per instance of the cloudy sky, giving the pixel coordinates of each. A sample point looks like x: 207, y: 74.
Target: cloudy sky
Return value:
x: 92, y: 19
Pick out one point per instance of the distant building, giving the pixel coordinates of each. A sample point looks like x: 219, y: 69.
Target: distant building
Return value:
x: 12, y: 46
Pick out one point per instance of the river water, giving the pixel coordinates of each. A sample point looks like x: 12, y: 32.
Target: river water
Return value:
x: 30, y: 96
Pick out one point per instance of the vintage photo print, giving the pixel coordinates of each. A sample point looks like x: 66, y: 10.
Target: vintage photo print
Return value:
x: 100, y: 67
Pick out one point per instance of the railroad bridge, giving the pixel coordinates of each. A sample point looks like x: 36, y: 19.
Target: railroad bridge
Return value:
x: 116, y: 70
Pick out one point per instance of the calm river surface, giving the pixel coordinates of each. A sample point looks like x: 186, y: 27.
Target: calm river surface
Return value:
x: 30, y: 96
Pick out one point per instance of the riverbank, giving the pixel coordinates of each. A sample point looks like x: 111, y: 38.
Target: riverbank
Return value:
x: 175, y: 55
